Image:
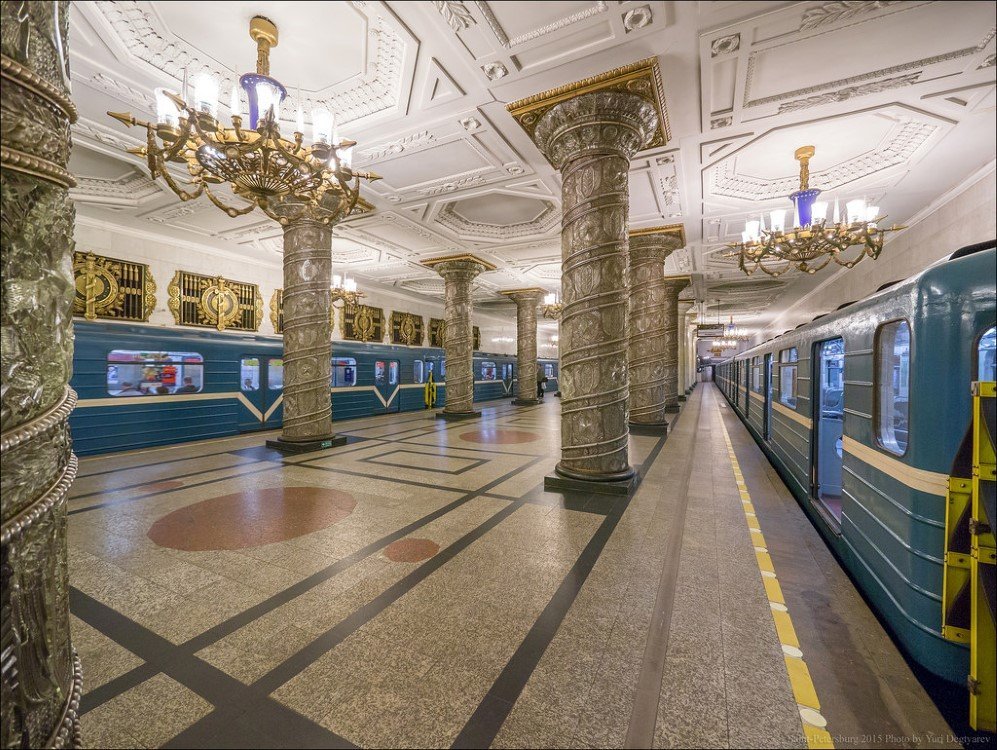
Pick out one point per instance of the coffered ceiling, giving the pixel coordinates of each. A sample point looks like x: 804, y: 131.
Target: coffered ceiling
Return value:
x: 897, y: 97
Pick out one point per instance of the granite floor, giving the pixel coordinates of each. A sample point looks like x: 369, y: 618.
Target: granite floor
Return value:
x: 417, y: 587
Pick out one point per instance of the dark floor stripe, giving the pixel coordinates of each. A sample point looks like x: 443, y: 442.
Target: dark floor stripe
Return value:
x: 112, y: 490
x: 265, y: 722
x: 488, y: 718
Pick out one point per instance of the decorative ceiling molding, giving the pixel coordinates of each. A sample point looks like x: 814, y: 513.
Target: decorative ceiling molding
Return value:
x: 840, y: 10
x: 455, y: 13
x: 872, y: 87
x: 548, y: 220
x: 146, y: 39
x: 132, y: 189
x: 408, y: 143
x: 549, y: 28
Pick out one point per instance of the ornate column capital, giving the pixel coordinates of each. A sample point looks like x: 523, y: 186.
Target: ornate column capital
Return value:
x: 529, y: 296
x: 459, y: 267
x: 675, y: 284
x: 599, y: 122
x: 652, y: 242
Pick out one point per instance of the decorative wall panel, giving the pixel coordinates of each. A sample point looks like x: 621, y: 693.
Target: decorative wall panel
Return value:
x: 215, y: 302
x: 437, y: 332
x: 362, y: 323
x: 112, y: 288
x: 407, y: 329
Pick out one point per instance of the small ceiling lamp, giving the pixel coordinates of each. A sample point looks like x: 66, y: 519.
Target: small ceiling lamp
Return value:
x: 284, y: 177
x: 810, y: 242
x: 344, y: 289
x: 551, y: 306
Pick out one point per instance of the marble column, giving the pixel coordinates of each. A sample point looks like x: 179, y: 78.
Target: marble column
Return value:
x: 41, y: 673
x: 307, y: 336
x: 672, y: 287
x: 526, y: 343
x: 647, y: 315
x: 458, y: 344
x: 590, y: 139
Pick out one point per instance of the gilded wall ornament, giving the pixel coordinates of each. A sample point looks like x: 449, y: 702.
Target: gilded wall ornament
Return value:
x: 214, y: 301
x: 437, y: 332
x: 406, y: 329
x: 112, y: 288
x: 362, y: 323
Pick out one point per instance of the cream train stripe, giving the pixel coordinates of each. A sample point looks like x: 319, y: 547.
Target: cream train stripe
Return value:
x: 814, y: 724
x: 273, y: 407
x: 917, y: 479
x: 791, y: 414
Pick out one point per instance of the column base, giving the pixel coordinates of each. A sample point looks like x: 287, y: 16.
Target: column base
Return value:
x: 681, y: 397
x: 525, y: 401
x: 673, y: 409
x: 458, y: 415
x: 649, y: 430
x: 624, y: 483
x: 306, y: 446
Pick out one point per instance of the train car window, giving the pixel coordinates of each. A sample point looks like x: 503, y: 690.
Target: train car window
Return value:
x: 249, y: 374
x: 275, y: 374
x: 393, y: 372
x: 380, y: 373
x: 344, y: 372
x: 756, y: 374
x: 787, y: 376
x: 443, y: 369
x: 893, y: 385
x: 488, y: 371
x: 418, y: 371
x: 986, y: 362
x: 549, y: 371
x: 138, y: 373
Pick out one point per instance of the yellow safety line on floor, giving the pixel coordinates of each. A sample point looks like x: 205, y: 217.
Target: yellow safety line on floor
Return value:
x: 814, y: 724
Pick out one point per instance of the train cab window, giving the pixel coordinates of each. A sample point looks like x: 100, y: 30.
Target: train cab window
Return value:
x: 275, y: 374
x: 986, y: 363
x: 249, y: 374
x: 787, y: 376
x: 344, y: 372
x: 488, y: 371
x: 549, y: 371
x: 419, y: 370
x: 137, y: 373
x: 380, y: 373
x: 393, y: 372
x: 893, y: 386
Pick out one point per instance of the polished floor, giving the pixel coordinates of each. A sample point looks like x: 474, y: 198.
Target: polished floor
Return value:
x: 418, y: 588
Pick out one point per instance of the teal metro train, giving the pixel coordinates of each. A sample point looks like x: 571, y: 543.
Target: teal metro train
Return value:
x: 141, y: 386
x: 862, y: 411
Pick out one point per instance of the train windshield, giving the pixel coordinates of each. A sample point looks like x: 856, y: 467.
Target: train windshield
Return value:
x: 986, y: 365
x: 142, y: 373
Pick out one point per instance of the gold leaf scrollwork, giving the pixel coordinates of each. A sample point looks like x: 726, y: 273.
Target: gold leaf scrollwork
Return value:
x: 215, y: 301
x: 112, y: 288
x: 276, y: 310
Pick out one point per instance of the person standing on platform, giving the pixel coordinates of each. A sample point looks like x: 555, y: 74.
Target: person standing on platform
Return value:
x: 541, y: 382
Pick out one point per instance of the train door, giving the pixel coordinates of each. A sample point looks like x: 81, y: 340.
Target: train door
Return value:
x: 767, y: 385
x: 828, y: 420
x: 261, y: 384
x: 386, y: 375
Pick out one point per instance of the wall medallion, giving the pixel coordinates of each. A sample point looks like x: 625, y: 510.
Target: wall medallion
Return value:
x: 406, y: 329
x: 215, y: 301
x: 112, y: 288
x: 362, y: 323
x: 437, y: 332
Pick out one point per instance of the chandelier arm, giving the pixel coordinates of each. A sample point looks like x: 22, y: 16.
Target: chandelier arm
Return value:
x: 175, y: 186
x: 232, y: 211
x: 182, y: 142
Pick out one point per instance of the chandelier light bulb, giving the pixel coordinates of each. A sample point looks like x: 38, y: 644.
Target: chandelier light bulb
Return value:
x: 166, y: 111
x: 235, y: 105
x: 819, y: 212
x: 299, y: 121
x: 346, y: 157
x: 206, y: 94
x: 322, y: 125
x: 778, y: 220
x: 351, y: 285
x: 753, y: 229
x: 855, y: 211
x: 871, y: 214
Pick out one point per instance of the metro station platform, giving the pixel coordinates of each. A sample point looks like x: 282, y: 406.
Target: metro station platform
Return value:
x: 418, y: 588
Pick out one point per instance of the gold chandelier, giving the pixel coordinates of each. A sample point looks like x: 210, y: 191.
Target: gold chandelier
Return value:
x: 551, y: 306
x: 811, y: 243
x: 344, y: 289
x: 285, y: 178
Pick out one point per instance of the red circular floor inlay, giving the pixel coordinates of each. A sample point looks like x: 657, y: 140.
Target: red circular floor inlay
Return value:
x: 251, y: 518
x: 168, y: 484
x: 411, y: 550
x: 499, y: 436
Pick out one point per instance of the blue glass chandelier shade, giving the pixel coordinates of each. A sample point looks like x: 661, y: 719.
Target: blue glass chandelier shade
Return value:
x: 264, y: 93
x: 804, y: 201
